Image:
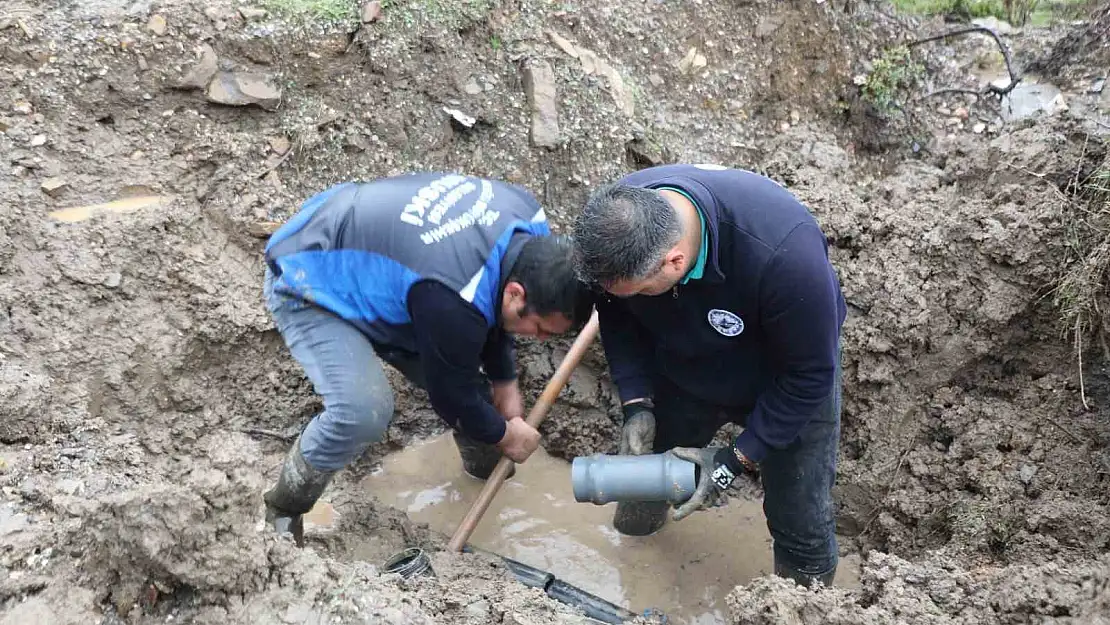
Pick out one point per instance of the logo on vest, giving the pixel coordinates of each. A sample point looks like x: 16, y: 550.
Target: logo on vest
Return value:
x: 725, y: 322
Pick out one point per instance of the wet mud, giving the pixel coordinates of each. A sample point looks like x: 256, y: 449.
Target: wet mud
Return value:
x: 685, y: 570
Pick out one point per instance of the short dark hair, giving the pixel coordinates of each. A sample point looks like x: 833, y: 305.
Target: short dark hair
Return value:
x: 622, y: 234
x: 545, y: 268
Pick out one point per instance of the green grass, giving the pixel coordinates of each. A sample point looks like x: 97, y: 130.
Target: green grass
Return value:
x: 1017, y: 12
x: 328, y: 10
x: 1081, y: 294
x: 892, y: 74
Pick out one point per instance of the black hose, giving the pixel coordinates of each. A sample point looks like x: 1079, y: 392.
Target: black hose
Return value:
x: 591, y: 605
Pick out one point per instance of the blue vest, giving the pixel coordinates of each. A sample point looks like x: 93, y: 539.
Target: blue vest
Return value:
x: 356, y: 248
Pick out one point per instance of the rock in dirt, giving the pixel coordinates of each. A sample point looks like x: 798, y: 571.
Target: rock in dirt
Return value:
x: 157, y: 25
x: 201, y: 73
x: 54, y: 186
x: 1028, y: 100
x: 244, y: 89
x: 23, y: 107
x: 998, y: 26
x: 539, y: 84
x: 371, y: 12
x: 280, y: 145
x: 252, y: 13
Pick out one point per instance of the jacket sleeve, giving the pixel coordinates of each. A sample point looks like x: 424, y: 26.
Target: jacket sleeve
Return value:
x: 800, y: 303
x: 499, y: 356
x: 627, y: 348
x: 450, y: 335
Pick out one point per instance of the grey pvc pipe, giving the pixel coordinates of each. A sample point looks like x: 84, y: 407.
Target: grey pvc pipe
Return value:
x: 601, y: 478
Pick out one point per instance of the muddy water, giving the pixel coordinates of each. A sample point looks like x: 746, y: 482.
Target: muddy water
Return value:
x: 685, y: 570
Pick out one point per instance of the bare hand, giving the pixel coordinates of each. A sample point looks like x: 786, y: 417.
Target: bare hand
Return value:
x: 520, y: 440
x: 508, y: 400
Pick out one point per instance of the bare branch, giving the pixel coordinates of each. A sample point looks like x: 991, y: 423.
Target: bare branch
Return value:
x: 990, y: 88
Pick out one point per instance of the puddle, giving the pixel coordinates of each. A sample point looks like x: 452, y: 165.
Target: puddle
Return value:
x: 685, y: 570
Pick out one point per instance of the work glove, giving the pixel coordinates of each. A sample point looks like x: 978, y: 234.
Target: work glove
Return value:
x: 719, y: 467
x: 638, y: 432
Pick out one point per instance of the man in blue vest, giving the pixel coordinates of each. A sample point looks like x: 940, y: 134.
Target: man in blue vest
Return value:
x: 722, y: 306
x: 430, y: 273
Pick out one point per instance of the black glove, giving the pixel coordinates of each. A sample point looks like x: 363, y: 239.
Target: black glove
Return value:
x: 719, y: 466
x: 638, y: 432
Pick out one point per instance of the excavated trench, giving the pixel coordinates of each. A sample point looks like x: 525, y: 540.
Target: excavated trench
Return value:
x: 148, y: 400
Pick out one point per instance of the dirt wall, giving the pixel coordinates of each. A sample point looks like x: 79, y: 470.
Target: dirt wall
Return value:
x: 137, y: 364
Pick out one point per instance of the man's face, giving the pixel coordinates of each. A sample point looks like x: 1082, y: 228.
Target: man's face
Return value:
x: 669, y: 272
x: 515, y: 321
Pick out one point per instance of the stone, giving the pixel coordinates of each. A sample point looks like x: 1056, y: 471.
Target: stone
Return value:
x: 1030, y: 100
x: 280, y: 145
x: 113, y: 280
x: 38, y: 141
x: 157, y: 25
x: 998, y: 26
x: 54, y: 186
x: 479, y: 609
x: 5, y: 124
x: 961, y: 113
x: 979, y: 128
x: 201, y: 73
x: 23, y: 107
x: 1026, y: 473
x: 539, y: 85
x: 371, y: 12
x: 656, y: 80
x: 252, y: 13
x: 692, y: 62
x: 472, y: 87
x: 244, y: 89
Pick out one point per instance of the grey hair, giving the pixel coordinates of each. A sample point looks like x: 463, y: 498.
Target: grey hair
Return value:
x: 622, y: 234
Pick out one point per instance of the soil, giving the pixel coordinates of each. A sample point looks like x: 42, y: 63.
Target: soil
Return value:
x: 146, y: 394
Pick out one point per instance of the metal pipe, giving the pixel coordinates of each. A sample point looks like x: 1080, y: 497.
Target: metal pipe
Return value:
x: 602, y: 478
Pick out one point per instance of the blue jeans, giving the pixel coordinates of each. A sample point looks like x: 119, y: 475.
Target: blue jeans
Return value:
x: 346, y: 372
x: 797, y: 480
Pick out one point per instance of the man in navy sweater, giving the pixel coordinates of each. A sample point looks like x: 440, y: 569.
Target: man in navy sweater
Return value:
x: 430, y: 273
x: 721, y: 306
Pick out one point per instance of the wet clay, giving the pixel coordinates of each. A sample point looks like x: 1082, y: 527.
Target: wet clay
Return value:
x: 685, y: 570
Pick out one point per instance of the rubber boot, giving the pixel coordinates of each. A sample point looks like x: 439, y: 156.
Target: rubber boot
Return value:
x: 805, y: 579
x: 298, y: 487
x: 478, y: 458
x: 640, y: 518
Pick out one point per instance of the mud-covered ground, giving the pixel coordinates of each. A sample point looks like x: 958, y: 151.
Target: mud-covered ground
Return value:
x: 142, y: 383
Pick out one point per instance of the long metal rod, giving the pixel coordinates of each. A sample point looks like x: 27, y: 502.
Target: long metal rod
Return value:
x: 535, y: 418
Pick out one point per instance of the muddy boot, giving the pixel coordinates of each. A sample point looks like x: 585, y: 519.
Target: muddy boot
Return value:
x: 478, y: 459
x: 298, y: 487
x: 804, y: 579
x: 640, y: 518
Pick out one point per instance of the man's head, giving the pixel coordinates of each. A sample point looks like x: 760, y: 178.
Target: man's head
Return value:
x: 542, y: 295
x: 627, y: 241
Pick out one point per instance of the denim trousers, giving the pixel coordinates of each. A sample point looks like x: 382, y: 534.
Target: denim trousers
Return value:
x: 346, y: 370
x: 797, y: 480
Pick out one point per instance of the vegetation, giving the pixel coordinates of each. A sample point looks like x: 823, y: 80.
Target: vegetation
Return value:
x: 1016, y: 12
x: 329, y: 10
x: 892, y: 74
x: 1081, y: 294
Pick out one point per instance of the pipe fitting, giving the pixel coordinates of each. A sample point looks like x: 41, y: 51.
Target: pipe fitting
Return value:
x: 602, y: 478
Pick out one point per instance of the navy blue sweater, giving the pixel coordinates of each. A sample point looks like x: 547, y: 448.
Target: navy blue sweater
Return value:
x: 759, y: 332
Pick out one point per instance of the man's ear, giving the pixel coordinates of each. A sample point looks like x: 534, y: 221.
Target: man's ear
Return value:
x: 674, y: 259
x: 514, y: 290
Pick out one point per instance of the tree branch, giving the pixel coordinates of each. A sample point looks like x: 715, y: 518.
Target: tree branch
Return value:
x: 1014, y: 77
